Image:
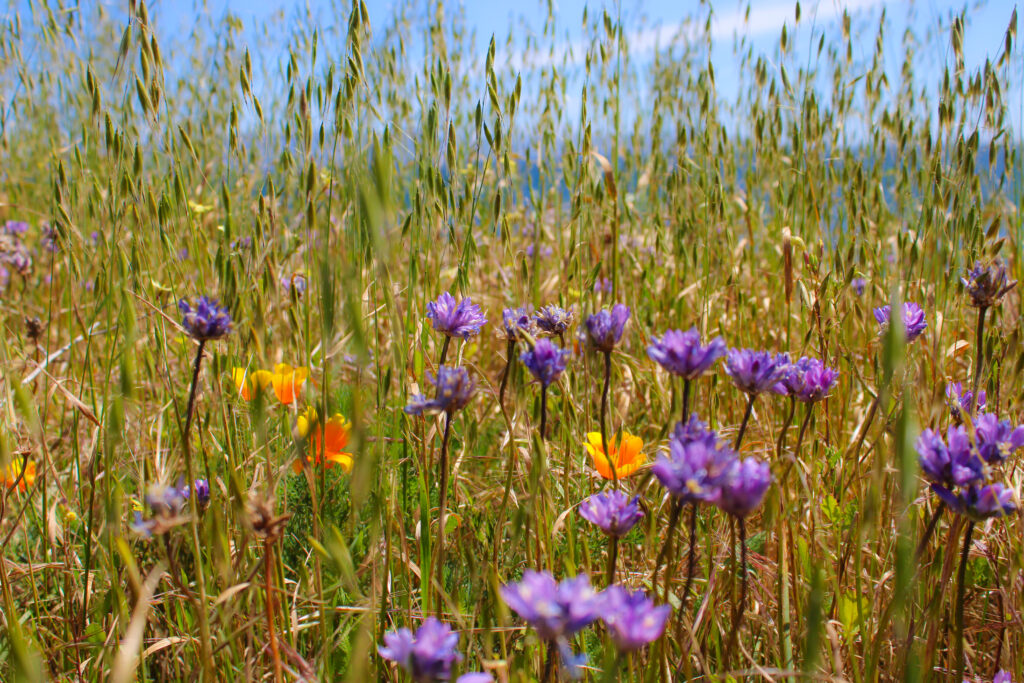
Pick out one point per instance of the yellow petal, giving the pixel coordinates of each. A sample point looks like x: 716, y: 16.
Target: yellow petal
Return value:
x: 343, y: 460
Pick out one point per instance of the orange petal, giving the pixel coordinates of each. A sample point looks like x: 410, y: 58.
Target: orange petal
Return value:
x: 288, y: 381
x: 336, y: 433
x: 629, y: 450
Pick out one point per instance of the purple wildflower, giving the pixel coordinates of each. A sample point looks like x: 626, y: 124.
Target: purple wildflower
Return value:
x: 632, y: 618
x: 17, y: 258
x: 142, y: 526
x: 454, y: 389
x: 986, y: 284
x: 207, y: 320
x: 809, y: 380
x: 612, y: 511
x: 1002, y: 677
x: 996, y: 439
x: 951, y: 462
x: 554, y: 319
x: 555, y: 610
x: 604, y: 328
x: 546, y: 361
x: 695, y: 459
x: 743, y: 485
x: 755, y: 372
x: 476, y: 677
x: 516, y: 321
x: 15, y: 227
x: 858, y: 284
x: 49, y: 239
x: 427, y: 655
x: 296, y: 282
x: 960, y: 399
x: 913, y: 319
x: 978, y: 503
x: 202, y: 492
x: 456, y: 319
x: 166, y: 505
x: 681, y: 353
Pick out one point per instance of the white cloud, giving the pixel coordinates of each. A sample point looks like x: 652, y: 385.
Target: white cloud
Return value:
x: 765, y: 18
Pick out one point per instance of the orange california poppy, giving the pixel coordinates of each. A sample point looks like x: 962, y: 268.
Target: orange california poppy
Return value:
x: 250, y: 381
x: 14, y: 470
x: 327, y: 442
x: 288, y: 381
x: 626, y: 458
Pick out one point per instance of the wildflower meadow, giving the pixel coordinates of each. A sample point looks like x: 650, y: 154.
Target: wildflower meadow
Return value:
x: 351, y: 345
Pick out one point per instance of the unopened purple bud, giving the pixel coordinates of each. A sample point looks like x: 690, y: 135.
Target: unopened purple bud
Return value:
x: 604, y: 328
x: 205, y: 321
x: 987, y: 284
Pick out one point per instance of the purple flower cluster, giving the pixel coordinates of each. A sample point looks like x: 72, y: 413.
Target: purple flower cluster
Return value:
x: 694, y: 461
x: 613, y: 511
x: 554, y: 610
x: 996, y: 438
x: 859, y: 284
x: 166, y: 505
x: 604, y: 328
x: 914, y: 323
x: 682, y: 354
x: 15, y: 227
x: 454, y: 389
x: 755, y: 372
x: 699, y: 468
x: 517, y: 320
x: 206, y: 320
x: 987, y: 284
x: 554, y: 319
x: 13, y: 252
x: 456, y: 319
x: 557, y: 611
x: 545, y: 361
x: 960, y: 399
x: 202, y: 491
x: 632, y: 619
x: 428, y: 655
x: 809, y: 380
x: 959, y: 470
x: 742, y: 486
x: 296, y: 283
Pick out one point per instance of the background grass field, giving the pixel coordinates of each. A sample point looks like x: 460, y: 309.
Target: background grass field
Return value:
x: 381, y: 174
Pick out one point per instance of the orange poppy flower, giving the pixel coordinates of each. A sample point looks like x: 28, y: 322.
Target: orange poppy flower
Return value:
x: 250, y: 381
x: 13, y: 472
x: 326, y: 442
x: 626, y: 458
x: 288, y: 381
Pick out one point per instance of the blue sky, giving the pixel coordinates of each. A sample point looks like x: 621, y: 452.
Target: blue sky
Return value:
x: 650, y: 21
